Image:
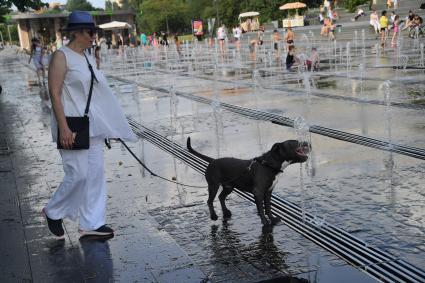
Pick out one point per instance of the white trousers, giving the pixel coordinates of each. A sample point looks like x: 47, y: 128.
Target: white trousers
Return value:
x: 83, y: 190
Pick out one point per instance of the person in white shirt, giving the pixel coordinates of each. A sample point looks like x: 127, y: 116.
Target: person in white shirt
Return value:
x: 237, y: 32
x: 221, y: 36
x: 374, y: 21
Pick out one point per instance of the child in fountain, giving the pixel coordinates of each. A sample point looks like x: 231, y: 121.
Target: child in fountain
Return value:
x: 395, y: 29
x: 313, y: 61
x: 383, y: 22
x: 291, y: 58
x: 289, y: 38
x: 374, y: 21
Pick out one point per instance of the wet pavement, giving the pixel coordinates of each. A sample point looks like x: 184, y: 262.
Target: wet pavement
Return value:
x: 164, y: 233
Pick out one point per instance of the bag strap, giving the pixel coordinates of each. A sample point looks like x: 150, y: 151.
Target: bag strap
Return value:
x: 93, y: 76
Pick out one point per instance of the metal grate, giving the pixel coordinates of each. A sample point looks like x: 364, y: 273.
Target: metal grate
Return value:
x: 4, y: 147
x: 375, y: 262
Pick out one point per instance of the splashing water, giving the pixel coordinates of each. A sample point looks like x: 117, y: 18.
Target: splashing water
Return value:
x: 377, y: 53
x: 302, y: 129
x: 216, y: 106
x: 355, y: 41
x: 302, y: 191
x: 307, y: 86
x: 389, y: 161
x: 404, y: 59
x: 173, y: 104
x: 361, y: 74
x: 335, y: 55
x: 303, y: 134
x: 256, y: 79
x: 387, y: 101
x: 348, y: 57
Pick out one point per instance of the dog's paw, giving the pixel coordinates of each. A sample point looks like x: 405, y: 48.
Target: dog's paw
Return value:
x: 214, y: 217
x: 227, y: 214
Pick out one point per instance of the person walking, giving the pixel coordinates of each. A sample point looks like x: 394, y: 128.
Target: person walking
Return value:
x: 37, y: 58
x: 82, y: 193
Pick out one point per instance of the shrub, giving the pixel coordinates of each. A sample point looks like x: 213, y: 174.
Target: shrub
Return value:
x: 351, y: 5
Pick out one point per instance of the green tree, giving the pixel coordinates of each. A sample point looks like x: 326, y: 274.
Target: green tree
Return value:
x: 21, y: 5
x: 153, y: 15
x: 81, y: 5
x: 109, y: 5
x: 164, y: 15
x: 228, y: 11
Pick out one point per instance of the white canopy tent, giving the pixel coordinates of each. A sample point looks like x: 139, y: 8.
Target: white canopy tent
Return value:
x: 248, y: 14
x: 115, y: 25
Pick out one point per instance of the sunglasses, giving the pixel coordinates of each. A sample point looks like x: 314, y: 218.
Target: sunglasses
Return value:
x: 90, y: 32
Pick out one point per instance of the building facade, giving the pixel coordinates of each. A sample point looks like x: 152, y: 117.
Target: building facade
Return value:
x: 47, y: 27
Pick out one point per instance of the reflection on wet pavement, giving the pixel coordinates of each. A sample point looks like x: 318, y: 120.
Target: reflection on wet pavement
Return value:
x: 241, y: 250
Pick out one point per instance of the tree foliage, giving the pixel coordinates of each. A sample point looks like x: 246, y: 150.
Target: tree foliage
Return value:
x: 111, y: 5
x: 153, y: 14
x: 81, y: 5
x: 21, y: 5
x: 351, y: 5
x: 164, y: 15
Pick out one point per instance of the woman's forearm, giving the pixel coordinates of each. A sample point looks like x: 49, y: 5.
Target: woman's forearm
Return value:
x: 58, y: 110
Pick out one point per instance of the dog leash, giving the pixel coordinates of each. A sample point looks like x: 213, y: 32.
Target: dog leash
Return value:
x: 108, y: 144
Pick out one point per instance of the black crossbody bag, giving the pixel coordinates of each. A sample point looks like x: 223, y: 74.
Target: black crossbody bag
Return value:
x: 81, y: 125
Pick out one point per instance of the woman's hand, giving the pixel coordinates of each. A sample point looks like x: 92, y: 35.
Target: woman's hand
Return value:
x: 66, y: 137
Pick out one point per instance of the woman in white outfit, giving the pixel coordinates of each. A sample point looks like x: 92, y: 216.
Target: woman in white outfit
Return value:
x: 82, y: 193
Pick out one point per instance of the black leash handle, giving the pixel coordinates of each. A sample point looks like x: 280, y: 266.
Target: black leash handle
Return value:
x: 150, y: 171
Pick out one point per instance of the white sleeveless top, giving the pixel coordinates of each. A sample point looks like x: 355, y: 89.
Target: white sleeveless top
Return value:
x: 106, y: 117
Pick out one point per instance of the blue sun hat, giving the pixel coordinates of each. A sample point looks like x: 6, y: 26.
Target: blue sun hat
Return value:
x: 80, y: 20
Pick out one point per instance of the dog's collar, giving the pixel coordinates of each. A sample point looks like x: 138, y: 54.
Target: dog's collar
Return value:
x: 264, y: 163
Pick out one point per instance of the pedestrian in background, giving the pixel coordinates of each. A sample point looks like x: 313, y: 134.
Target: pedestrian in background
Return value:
x: 143, y: 39
x: 289, y: 38
x: 237, y: 33
x: 82, y: 193
x: 221, y: 36
x: 37, y: 59
x: 383, y: 23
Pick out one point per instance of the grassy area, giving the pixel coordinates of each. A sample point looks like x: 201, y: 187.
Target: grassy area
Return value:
x: 188, y: 37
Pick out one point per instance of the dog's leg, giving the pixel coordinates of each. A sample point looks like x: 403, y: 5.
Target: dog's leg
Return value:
x: 268, y: 208
x: 212, y: 192
x: 222, y: 197
x: 259, y: 201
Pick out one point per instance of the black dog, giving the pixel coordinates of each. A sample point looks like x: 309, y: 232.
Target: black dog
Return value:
x: 256, y: 176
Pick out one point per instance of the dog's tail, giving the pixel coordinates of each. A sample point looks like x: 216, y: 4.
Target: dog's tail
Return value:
x: 194, y: 152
